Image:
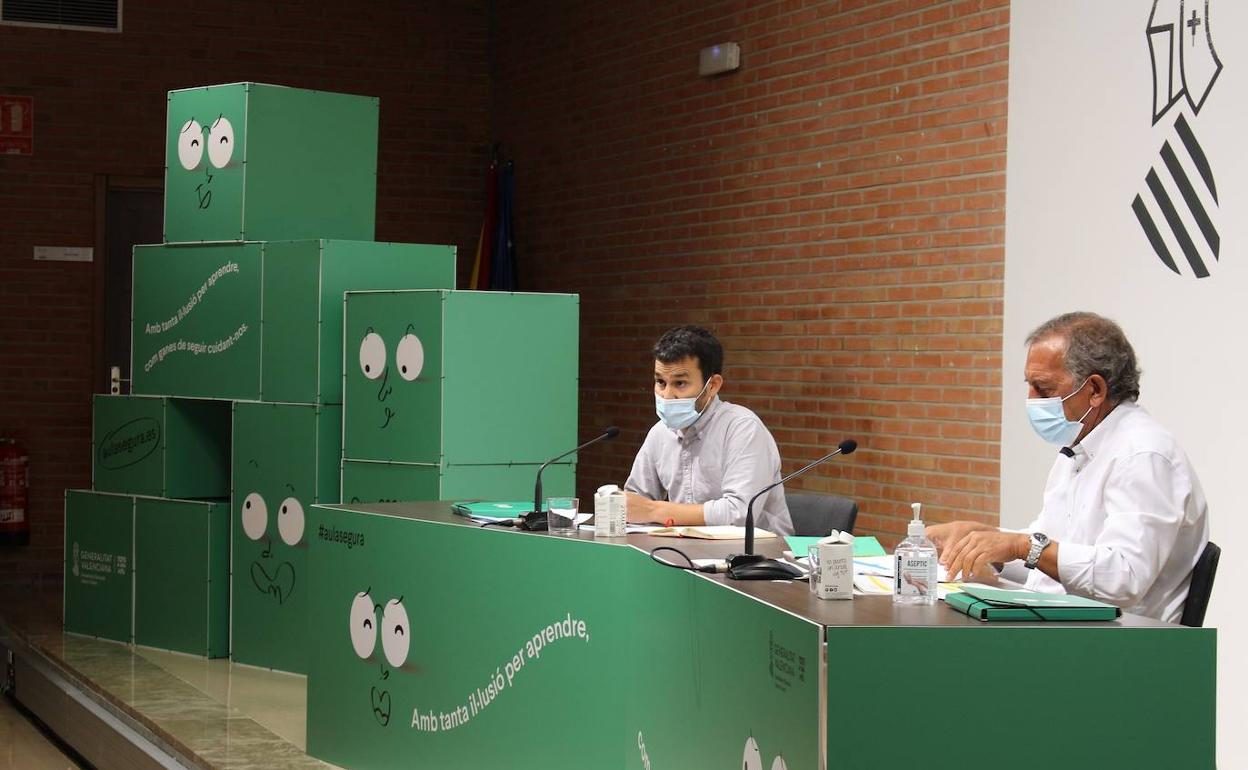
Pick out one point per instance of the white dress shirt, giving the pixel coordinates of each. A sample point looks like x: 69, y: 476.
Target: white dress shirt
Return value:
x: 1129, y: 517
x: 720, y: 461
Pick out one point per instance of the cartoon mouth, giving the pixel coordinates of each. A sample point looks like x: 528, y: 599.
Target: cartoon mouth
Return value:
x: 381, y: 705
x: 279, y: 584
x: 203, y: 190
x: 390, y: 414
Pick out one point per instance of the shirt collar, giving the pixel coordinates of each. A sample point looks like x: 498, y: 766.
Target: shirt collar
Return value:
x: 1092, y: 442
x: 703, y: 420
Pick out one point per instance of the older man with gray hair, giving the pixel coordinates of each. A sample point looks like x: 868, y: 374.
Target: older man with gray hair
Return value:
x: 1124, y: 518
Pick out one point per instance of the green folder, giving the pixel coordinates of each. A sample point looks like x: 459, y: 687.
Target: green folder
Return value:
x: 492, y: 509
x: 864, y: 545
x: 992, y: 604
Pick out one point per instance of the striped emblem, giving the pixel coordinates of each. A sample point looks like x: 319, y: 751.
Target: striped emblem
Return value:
x: 1177, y: 206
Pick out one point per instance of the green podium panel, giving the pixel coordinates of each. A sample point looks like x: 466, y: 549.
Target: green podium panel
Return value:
x: 441, y: 644
x: 378, y: 482
x: 247, y: 161
x: 414, y: 668
x: 723, y: 681
x: 1103, y: 696
x: 285, y: 459
x: 459, y: 377
x: 99, y: 562
x: 182, y: 575
x: 162, y: 447
x: 260, y: 321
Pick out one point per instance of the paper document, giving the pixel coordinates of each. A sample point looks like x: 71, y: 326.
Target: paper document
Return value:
x: 711, y: 532
x: 872, y: 584
x: 877, y: 584
x: 874, y: 565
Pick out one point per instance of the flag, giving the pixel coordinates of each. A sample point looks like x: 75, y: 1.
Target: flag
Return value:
x: 482, y: 263
x: 503, y: 274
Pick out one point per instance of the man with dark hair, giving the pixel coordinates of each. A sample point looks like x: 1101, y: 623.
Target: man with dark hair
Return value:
x: 705, y: 458
x: 1124, y: 518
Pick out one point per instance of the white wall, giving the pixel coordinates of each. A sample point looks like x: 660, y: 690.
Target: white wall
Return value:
x: 1081, y: 140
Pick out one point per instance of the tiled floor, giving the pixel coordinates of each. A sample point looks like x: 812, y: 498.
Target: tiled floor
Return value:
x: 23, y: 747
x: 234, y: 717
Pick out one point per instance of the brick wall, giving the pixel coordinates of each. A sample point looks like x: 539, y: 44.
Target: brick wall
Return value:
x: 99, y: 102
x: 834, y: 211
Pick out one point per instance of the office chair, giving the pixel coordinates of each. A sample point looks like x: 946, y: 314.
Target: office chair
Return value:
x: 1201, y: 587
x: 815, y: 515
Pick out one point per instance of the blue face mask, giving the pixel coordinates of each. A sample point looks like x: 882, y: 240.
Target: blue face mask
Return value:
x: 678, y: 413
x: 1048, y: 419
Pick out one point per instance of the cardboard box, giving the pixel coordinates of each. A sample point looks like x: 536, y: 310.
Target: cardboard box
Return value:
x: 260, y: 321
x: 99, y: 563
x: 380, y: 482
x: 158, y: 446
x: 455, y: 378
x: 285, y: 459
x: 255, y: 162
x: 182, y: 575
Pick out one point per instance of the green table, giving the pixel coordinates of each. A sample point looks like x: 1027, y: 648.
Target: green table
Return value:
x: 437, y: 643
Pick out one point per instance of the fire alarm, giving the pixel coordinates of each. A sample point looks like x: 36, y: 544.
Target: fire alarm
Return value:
x: 715, y: 59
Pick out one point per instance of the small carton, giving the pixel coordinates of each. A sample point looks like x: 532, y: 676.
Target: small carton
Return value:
x: 610, y: 512
x: 832, y: 566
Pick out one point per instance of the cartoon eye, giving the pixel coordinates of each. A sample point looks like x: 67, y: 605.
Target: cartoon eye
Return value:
x: 191, y: 145
x: 220, y: 142
x: 372, y: 355
x: 255, y: 516
x: 290, y: 521
x: 395, y: 633
x: 410, y: 357
x: 779, y: 764
x: 363, y: 625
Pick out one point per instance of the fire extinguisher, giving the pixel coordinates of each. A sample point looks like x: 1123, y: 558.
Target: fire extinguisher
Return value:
x: 14, y: 482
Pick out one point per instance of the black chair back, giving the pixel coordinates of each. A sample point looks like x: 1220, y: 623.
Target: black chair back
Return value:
x: 1201, y: 587
x: 815, y: 515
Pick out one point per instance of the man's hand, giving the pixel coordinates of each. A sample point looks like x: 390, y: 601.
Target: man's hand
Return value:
x: 947, y: 534
x: 640, y: 507
x: 973, y: 555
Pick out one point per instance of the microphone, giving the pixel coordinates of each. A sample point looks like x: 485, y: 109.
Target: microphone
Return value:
x: 536, y: 520
x: 751, y: 566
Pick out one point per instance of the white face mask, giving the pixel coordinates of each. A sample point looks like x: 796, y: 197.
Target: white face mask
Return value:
x: 679, y: 413
x: 1048, y: 419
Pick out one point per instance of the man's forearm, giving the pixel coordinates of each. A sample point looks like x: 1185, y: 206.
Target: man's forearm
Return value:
x: 662, y: 511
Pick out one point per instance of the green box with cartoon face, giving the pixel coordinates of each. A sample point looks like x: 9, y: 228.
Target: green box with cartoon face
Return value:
x: 255, y: 162
x: 260, y: 321
x: 99, y: 564
x: 285, y: 459
x: 455, y: 378
x: 376, y: 482
x: 182, y: 575
x: 163, y: 447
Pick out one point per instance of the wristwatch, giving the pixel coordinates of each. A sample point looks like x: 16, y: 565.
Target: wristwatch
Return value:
x: 1039, y: 541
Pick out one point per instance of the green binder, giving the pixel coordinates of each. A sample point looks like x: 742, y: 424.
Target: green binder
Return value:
x: 492, y: 509
x: 992, y: 604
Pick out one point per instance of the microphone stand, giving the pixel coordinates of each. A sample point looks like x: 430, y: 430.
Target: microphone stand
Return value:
x: 536, y: 520
x: 752, y: 566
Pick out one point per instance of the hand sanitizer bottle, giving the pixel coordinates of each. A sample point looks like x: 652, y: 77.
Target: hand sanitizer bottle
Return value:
x: 914, y: 570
